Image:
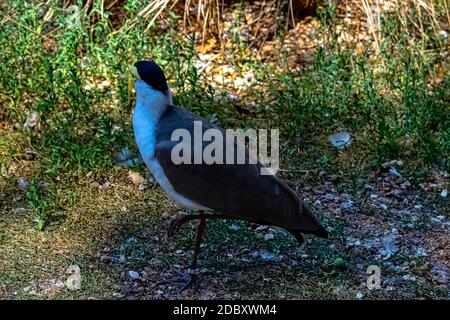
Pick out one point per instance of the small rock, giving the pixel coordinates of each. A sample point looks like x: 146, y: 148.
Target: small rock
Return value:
x: 19, y: 210
x: 347, y: 204
x: 444, y: 193
x: 95, y: 185
x: 408, y: 277
x: 441, y: 274
x: 104, y: 85
x: 267, y: 256
x: 165, y: 215
x: 43, y: 185
x: 234, y: 227
x: 23, y: 183
x: 132, y: 240
x: 421, y: 252
x: 124, y: 155
x: 106, y: 185
x: 142, y: 187
x: 383, y: 206
x: 318, y: 192
x: 334, y: 178
x: 405, y: 185
x: 439, y: 219
x: 73, y: 282
x: 269, y: 236
x: 105, y: 258
x: 29, y: 154
x: 133, y: 275
x: 359, y: 295
x: 340, y: 140
x: 394, y: 172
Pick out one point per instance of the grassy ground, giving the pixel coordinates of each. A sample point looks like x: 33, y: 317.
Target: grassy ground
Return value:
x: 66, y: 200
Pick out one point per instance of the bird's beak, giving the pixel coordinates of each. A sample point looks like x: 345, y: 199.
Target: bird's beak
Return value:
x: 134, y: 75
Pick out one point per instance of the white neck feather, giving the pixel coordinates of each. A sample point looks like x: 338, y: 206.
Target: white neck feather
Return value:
x: 150, y: 106
x: 151, y: 99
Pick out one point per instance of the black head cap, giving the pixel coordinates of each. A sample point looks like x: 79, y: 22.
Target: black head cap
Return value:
x: 151, y: 74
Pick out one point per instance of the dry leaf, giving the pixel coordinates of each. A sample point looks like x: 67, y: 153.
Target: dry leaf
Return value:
x: 136, y: 178
x: 206, y: 47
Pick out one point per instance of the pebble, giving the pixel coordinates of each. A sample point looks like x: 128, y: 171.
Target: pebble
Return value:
x: 359, y: 295
x: 105, y: 258
x: 95, y: 185
x: 23, y: 183
x: 29, y: 154
x: 405, y: 185
x: 133, y: 274
x: 43, y: 185
x: 234, y: 227
x: 269, y: 236
x: 334, y: 178
x: 106, y: 185
x: 165, y: 215
x: 444, y: 193
x: 124, y: 155
x: 19, y: 210
x: 142, y: 187
x: 408, y: 277
x: 267, y: 255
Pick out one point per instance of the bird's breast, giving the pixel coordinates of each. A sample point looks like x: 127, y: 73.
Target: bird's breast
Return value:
x: 145, y: 130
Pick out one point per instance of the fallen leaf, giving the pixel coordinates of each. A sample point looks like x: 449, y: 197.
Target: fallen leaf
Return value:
x: 136, y: 178
x: 206, y: 47
x: 32, y: 119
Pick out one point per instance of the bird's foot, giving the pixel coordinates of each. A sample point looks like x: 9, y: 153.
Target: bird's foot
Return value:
x: 176, y: 223
x: 187, y: 280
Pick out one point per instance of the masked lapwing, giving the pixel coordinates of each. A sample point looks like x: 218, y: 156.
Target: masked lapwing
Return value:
x: 236, y: 191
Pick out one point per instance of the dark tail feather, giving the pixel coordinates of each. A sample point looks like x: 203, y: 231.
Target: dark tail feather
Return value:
x: 321, y: 232
x: 298, y: 235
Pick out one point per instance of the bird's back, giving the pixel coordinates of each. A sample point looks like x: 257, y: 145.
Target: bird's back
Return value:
x: 237, y: 190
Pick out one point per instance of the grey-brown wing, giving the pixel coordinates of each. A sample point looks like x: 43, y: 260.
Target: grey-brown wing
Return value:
x: 239, y: 191
x: 236, y: 190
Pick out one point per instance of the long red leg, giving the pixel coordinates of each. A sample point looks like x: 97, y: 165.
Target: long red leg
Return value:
x: 198, y: 240
x: 176, y: 223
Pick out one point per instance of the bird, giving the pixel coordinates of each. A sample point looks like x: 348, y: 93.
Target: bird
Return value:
x: 215, y: 190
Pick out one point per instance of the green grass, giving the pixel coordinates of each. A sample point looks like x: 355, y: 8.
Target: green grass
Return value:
x: 387, y: 102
